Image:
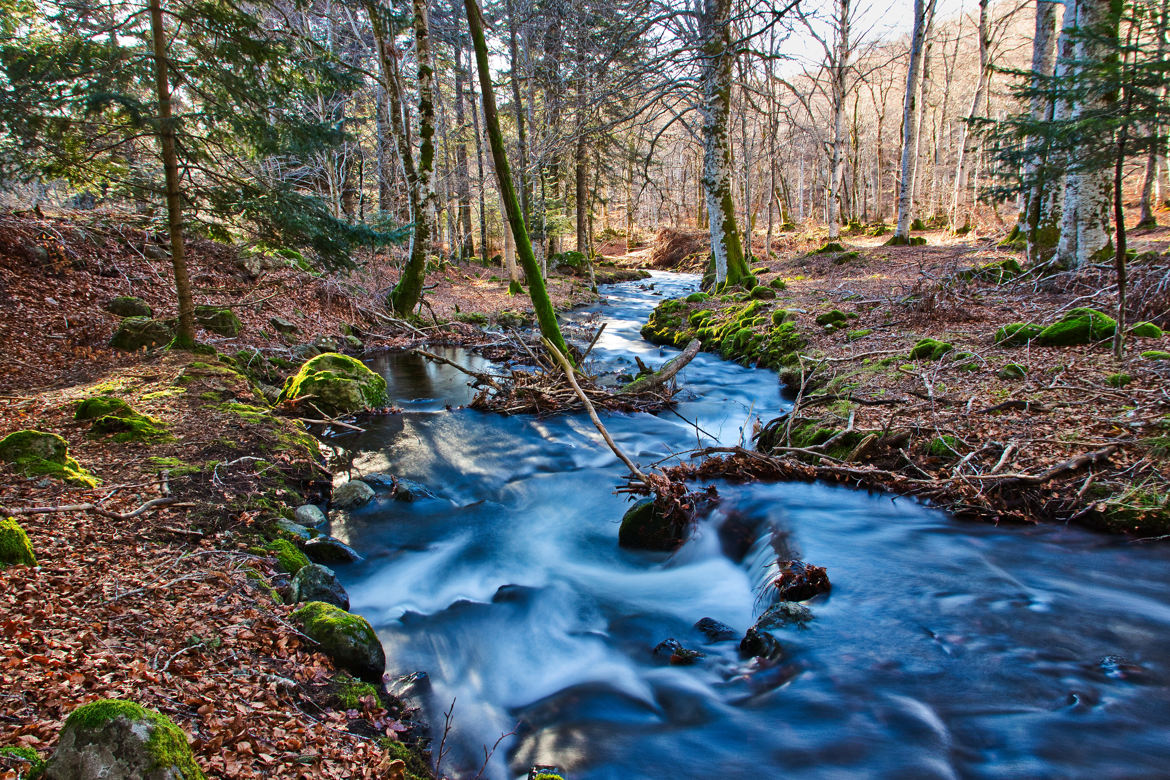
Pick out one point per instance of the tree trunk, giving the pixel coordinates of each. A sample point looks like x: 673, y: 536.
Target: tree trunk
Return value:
x: 717, y: 59
x: 1042, y: 232
x: 910, y: 118
x: 518, y: 106
x: 483, y: 233
x: 1154, y: 160
x: 545, y: 315
x: 966, y: 141
x: 840, y: 67
x: 185, y: 337
x: 465, y: 243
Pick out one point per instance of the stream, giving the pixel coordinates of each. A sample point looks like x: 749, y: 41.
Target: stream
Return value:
x: 946, y: 648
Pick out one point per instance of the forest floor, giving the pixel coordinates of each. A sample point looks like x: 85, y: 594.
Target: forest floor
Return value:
x: 174, y: 607
x: 986, y: 429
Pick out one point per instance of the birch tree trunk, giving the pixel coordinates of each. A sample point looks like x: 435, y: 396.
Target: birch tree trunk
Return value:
x: 1084, y: 225
x: 966, y: 143
x: 837, y: 161
x: 716, y: 61
x: 1042, y: 229
x: 466, y: 243
x: 910, y: 120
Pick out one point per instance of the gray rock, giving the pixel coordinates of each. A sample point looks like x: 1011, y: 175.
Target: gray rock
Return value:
x: 310, y: 515
x: 326, y: 549
x: 318, y: 583
x: 120, y: 740
x: 715, y: 631
x: 326, y: 344
x: 672, y: 651
x: 352, y: 494
x: 644, y: 528
x: 156, y: 252
x: 128, y: 306
x: 784, y: 613
x: 296, y: 529
x: 137, y: 332
x: 760, y: 644
x: 304, y: 352
x: 281, y: 325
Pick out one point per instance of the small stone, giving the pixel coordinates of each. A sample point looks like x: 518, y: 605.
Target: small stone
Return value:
x: 352, y: 494
x: 784, y: 613
x: 295, y: 529
x: 644, y: 528
x: 281, y: 325
x: 672, y: 651
x: 309, y: 515
x: 318, y: 583
x: 326, y: 549
x: 715, y: 631
x: 129, y: 306
x: 760, y: 644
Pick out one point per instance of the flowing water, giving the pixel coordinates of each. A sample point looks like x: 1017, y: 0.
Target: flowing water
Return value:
x: 946, y: 649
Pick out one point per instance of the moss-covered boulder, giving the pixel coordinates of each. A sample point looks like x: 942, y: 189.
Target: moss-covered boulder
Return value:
x: 128, y: 306
x: 318, y: 583
x: 1156, y: 354
x: 1118, y: 380
x: 336, y: 384
x: 114, y: 417
x: 135, y: 333
x: 830, y: 247
x: 644, y: 528
x: 995, y: 272
x: 1078, y: 326
x: 346, y: 638
x: 778, y: 284
x: 835, y: 318
x: 218, y: 319
x: 15, y: 547
x: 290, y: 559
x: 762, y: 293
x: 36, y: 453
x: 1146, y: 330
x: 1017, y: 334
x: 1012, y: 371
x: 120, y: 740
x: 930, y: 349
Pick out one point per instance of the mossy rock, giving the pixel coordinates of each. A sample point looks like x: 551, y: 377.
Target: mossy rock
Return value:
x: 836, y: 318
x: 778, y: 284
x: 10, y: 755
x: 1078, y: 326
x: 351, y: 691
x: 1012, y: 371
x: 36, y: 453
x: 15, y: 547
x: 336, y: 384
x: 1017, y: 334
x: 346, y: 638
x: 1146, y: 330
x: 697, y: 297
x: 1118, y: 380
x: 997, y: 272
x: 1156, y: 354
x: 830, y: 247
x: 846, y: 257
x: 120, y: 739
x: 129, y: 306
x: 283, y: 326
x: 945, y: 446
x: 114, y: 417
x: 135, y: 333
x: 854, y: 335
x: 290, y: 559
x: 472, y: 318
x: 781, y: 316
x: 930, y: 349
x: 644, y: 528
x: 761, y: 293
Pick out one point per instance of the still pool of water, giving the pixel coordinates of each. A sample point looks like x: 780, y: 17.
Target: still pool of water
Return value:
x: 946, y: 649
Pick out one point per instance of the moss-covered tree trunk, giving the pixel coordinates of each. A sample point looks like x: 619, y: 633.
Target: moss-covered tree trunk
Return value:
x: 717, y: 57
x: 185, y: 338
x: 545, y: 316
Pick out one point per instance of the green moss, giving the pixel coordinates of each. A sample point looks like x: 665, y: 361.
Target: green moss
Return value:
x: 336, y: 630
x: 472, y: 318
x: 113, y: 416
x: 778, y: 284
x: 129, y: 306
x: 930, y: 349
x: 36, y: 764
x: 36, y: 453
x: 1146, y: 330
x: 830, y: 247
x: 762, y: 293
x: 351, y: 691
x: 697, y: 297
x: 700, y: 318
x: 944, y: 446
x: 15, y: 547
x: 997, y: 272
x: 1012, y: 371
x: 854, y: 335
x: 1156, y: 354
x: 287, y: 555
x: 1017, y: 334
x: 1141, y: 509
x: 418, y: 767
x: 780, y: 316
x: 167, y: 744
x: 548, y: 776
x: 1078, y: 326
x: 218, y: 319
x: 100, y: 406
x: 836, y: 318
x: 135, y: 333
x: 1118, y: 380
x: 917, y: 224
x: 249, y: 413
x: 337, y: 384
x: 846, y: 257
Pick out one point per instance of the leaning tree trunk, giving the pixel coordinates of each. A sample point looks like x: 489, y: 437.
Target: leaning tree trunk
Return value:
x: 910, y: 120
x: 1039, y: 224
x: 837, y: 154
x: 1085, y: 222
x: 717, y: 59
x: 545, y: 316
x: 185, y: 338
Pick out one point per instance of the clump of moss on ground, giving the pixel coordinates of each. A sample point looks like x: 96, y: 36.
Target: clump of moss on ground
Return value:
x: 15, y: 547
x: 37, y: 453
x: 115, y: 418
x: 287, y: 555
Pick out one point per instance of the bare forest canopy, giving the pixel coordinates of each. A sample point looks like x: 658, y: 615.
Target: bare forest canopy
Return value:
x: 320, y: 128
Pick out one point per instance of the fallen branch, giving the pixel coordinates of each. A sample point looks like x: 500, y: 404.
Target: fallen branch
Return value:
x: 151, y: 505
x: 667, y: 372
x: 477, y: 375
x: 1060, y: 469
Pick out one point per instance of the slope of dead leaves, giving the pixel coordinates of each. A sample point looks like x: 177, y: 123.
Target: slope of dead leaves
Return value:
x: 1007, y: 431
x: 166, y: 608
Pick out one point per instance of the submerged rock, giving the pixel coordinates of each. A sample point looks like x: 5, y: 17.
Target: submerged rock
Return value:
x: 336, y: 384
x: 644, y: 528
x: 785, y: 613
x: 352, y: 494
x: 346, y: 638
x: 318, y: 583
x: 800, y: 581
x: 715, y: 631
x: 671, y: 650
x: 121, y: 740
x: 326, y: 549
x: 760, y: 644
